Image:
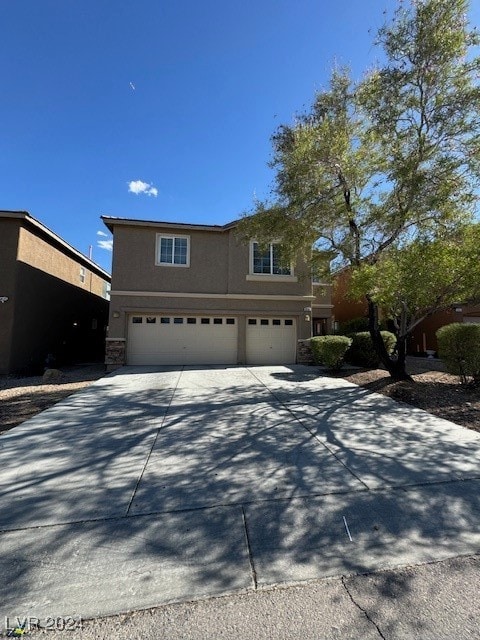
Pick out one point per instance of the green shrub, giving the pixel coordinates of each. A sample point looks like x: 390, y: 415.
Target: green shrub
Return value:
x: 459, y: 348
x: 355, y: 325
x: 330, y: 350
x: 362, y: 352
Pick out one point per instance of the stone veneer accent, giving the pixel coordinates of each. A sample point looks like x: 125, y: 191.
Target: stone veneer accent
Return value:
x: 304, y: 352
x: 114, y: 353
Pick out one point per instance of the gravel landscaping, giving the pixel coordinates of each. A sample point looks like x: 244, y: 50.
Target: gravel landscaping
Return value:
x: 22, y: 398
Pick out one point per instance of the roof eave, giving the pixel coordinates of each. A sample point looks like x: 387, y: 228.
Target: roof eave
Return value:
x: 110, y: 222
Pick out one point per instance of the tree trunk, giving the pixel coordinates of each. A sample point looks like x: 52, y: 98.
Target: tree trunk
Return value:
x: 396, y: 366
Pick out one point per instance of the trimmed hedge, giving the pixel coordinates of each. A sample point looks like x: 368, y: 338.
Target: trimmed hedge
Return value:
x: 362, y: 352
x: 330, y: 350
x: 459, y: 349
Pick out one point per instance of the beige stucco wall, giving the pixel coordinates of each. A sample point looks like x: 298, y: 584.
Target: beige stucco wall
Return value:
x: 322, y: 304
x: 38, y: 253
x: 134, y: 267
x: 219, y: 263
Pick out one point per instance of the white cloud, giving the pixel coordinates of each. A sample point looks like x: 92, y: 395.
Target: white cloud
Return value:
x: 102, y: 233
x: 105, y: 244
x: 138, y: 186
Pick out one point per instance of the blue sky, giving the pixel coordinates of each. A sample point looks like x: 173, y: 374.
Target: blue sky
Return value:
x: 160, y: 109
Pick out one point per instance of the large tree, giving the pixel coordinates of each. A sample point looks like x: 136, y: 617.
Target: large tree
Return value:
x: 428, y: 275
x: 390, y: 160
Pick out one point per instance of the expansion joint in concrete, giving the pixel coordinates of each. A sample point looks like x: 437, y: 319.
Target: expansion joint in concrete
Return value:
x: 312, y: 433
x: 137, y: 484
x: 249, y: 550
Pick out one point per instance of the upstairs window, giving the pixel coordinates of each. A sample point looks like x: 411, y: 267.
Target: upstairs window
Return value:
x: 83, y: 274
x: 173, y: 250
x: 267, y: 261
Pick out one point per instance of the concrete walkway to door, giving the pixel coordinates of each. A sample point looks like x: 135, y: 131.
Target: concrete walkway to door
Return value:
x: 161, y: 485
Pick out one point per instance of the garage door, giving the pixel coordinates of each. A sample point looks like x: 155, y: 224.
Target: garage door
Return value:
x: 271, y: 341
x: 174, y: 340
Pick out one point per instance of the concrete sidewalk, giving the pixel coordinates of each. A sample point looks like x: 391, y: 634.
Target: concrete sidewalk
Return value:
x: 155, y: 486
x: 436, y: 601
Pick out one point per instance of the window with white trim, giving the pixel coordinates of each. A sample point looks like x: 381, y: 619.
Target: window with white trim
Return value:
x: 267, y: 260
x: 173, y: 251
x: 83, y: 274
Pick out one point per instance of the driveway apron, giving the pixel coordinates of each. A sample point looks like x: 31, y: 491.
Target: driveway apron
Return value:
x: 157, y: 485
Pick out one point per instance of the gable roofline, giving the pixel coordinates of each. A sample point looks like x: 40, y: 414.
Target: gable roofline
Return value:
x: 55, y: 240
x: 110, y: 222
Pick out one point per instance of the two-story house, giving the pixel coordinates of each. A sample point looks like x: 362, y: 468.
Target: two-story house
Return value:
x: 188, y: 294
x: 53, y: 299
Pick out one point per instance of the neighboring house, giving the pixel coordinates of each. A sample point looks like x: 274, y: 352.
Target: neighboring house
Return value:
x: 344, y: 308
x: 424, y: 335
x: 195, y: 294
x: 53, y: 299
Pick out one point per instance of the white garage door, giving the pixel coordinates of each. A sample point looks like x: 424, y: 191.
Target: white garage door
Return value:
x: 271, y: 341
x: 176, y: 340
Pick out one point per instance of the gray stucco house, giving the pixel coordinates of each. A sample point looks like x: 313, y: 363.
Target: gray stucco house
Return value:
x: 187, y: 294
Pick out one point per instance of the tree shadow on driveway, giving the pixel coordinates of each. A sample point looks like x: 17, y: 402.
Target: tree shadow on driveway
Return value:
x: 157, y: 486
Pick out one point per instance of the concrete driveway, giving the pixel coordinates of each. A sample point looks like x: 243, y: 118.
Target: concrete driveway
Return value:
x: 161, y: 485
